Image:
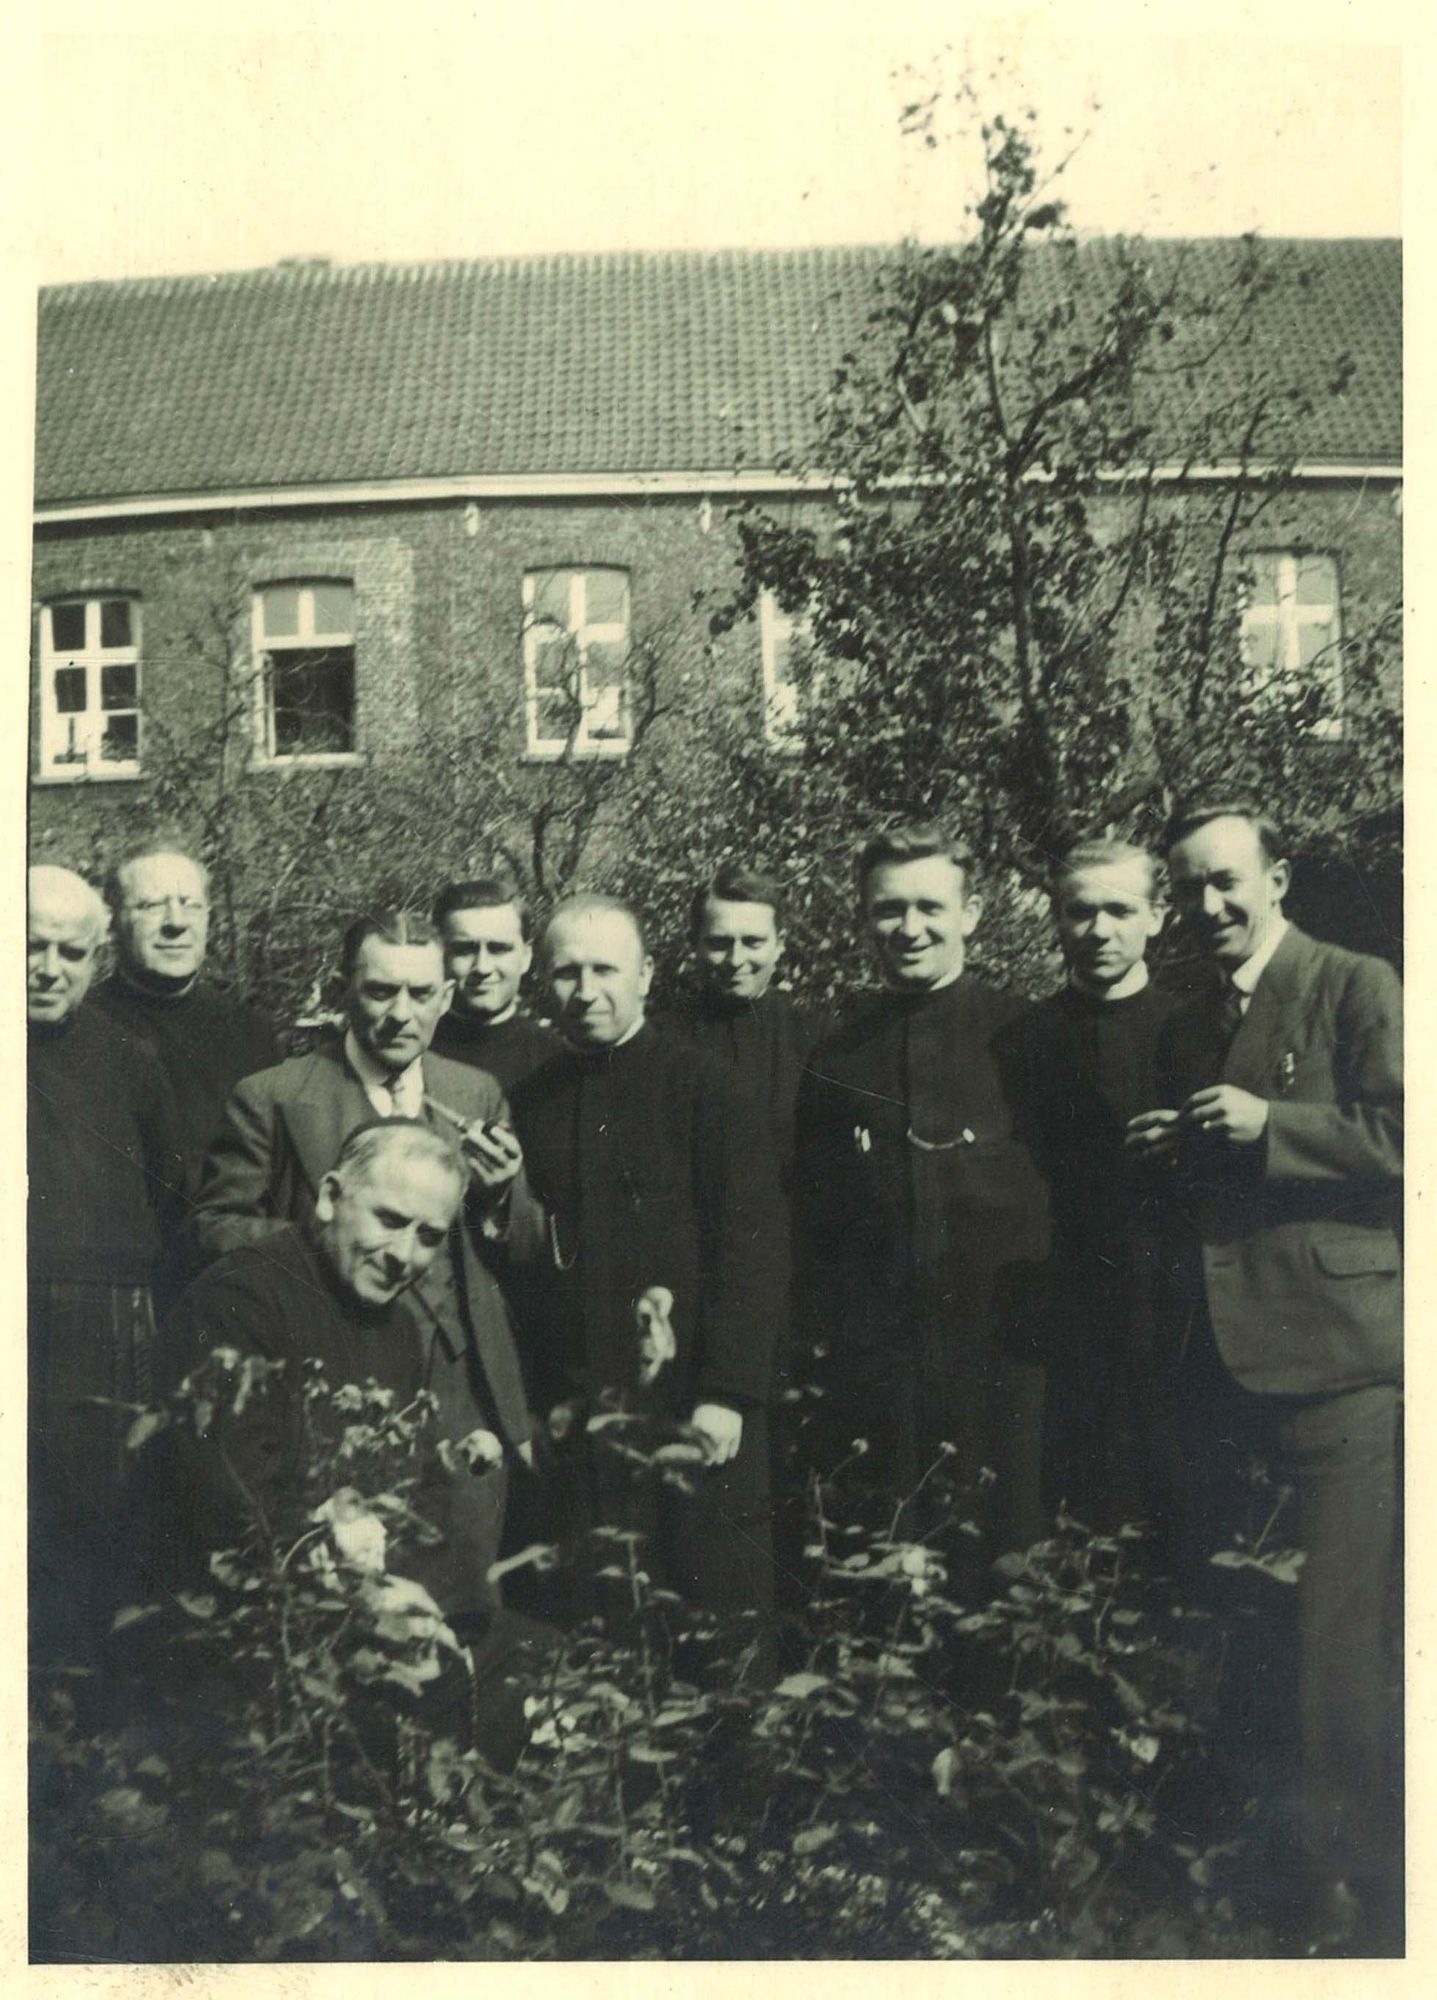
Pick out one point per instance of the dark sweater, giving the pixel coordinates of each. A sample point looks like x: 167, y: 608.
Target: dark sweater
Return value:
x: 205, y: 1041
x: 276, y: 1299
x: 103, y: 1151
x: 509, y: 1050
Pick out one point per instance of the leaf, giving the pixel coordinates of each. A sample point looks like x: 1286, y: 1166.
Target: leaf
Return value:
x: 199, y: 1604
x: 799, y: 1686
x: 133, y: 1614
x: 812, y: 1838
x: 630, y: 1896
x: 144, y: 1428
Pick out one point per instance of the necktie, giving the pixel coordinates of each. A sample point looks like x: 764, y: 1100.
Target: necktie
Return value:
x: 1228, y: 1020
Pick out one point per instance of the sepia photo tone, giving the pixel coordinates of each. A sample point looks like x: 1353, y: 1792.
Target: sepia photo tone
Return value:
x: 714, y: 994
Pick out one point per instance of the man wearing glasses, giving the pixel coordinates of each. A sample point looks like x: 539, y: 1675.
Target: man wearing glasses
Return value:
x: 205, y: 1039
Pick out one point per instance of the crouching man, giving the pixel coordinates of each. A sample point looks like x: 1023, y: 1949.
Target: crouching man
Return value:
x: 332, y: 1293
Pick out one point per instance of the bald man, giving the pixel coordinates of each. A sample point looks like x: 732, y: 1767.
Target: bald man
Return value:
x: 105, y: 1176
x: 666, y: 1273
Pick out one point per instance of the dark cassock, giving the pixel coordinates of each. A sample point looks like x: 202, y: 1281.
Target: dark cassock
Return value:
x: 766, y: 1043
x: 922, y: 1216
x: 647, y: 1160
x: 104, y: 1169
x: 1093, y: 1066
x: 205, y: 1041
x: 509, y: 1050
x: 262, y: 1469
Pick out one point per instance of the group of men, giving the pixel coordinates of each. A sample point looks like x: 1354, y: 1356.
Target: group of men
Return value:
x: 1098, y: 1253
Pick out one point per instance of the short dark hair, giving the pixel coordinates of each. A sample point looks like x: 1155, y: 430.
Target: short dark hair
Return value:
x: 1106, y: 854
x: 392, y: 926
x: 737, y: 882
x: 484, y: 892
x: 411, y: 1138
x: 617, y: 906
x: 1189, y: 814
x: 146, y: 850
x: 916, y: 840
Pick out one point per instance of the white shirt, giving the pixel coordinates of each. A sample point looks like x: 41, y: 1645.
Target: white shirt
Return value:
x: 393, y: 1096
x: 1245, y: 976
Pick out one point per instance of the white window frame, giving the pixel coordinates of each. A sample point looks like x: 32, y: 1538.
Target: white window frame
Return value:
x: 581, y: 634
x: 81, y: 731
x: 779, y: 631
x: 1288, y: 616
x: 307, y: 640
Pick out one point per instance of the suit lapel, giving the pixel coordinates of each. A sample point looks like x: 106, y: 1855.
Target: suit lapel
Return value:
x: 1267, y: 1026
x: 323, y: 1112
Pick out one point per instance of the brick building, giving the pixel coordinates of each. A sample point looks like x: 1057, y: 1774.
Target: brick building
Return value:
x: 385, y: 501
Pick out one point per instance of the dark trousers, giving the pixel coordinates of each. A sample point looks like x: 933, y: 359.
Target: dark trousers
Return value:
x: 1338, y: 1456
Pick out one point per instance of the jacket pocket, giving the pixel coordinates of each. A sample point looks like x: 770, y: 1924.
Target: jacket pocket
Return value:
x: 1358, y: 1256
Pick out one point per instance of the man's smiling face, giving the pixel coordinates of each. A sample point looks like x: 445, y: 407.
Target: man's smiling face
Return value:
x: 920, y: 916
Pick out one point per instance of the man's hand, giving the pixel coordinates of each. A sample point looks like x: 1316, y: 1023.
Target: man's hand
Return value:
x: 721, y: 1430
x: 1154, y: 1135
x: 1225, y: 1112
x: 493, y: 1156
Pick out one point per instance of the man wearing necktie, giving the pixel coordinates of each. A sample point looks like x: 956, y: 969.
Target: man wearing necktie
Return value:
x: 284, y: 1127
x: 1283, y: 1124
x: 921, y: 1212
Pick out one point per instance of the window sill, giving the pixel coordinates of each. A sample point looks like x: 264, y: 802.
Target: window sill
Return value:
x: 130, y: 776
x: 319, y: 760
x: 586, y: 753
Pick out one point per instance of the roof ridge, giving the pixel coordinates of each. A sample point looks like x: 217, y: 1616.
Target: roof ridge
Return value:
x: 300, y: 270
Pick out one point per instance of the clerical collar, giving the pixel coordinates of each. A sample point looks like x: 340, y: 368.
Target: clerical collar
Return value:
x: 924, y: 992
x: 1245, y: 976
x: 478, y: 1024
x: 1132, y: 982
x: 609, y: 1048
x: 148, y: 990
x: 387, y: 1089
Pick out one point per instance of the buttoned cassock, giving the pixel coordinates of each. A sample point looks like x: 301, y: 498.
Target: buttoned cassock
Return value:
x: 921, y: 1217
x: 282, y: 1132
x: 1292, y: 1316
x: 654, y: 1172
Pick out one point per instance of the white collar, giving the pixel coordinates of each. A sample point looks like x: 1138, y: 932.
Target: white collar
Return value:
x: 1245, y: 976
x: 1133, y: 981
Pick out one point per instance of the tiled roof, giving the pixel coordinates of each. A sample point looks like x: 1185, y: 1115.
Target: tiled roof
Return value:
x: 621, y: 363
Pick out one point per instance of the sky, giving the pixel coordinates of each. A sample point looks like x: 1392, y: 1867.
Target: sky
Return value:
x: 438, y: 129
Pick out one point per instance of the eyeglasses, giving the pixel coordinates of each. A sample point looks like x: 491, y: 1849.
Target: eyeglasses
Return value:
x: 160, y: 906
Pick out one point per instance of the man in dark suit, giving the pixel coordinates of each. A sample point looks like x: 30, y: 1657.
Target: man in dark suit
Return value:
x: 1282, y: 1113
x: 920, y: 1208
x: 666, y: 1270
x: 488, y: 949
x: 284, y: 1128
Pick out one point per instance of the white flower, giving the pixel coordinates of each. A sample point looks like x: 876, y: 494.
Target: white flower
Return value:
x: 657, y: 1346
x: 482, y: 1450
x: 358, y: 1534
